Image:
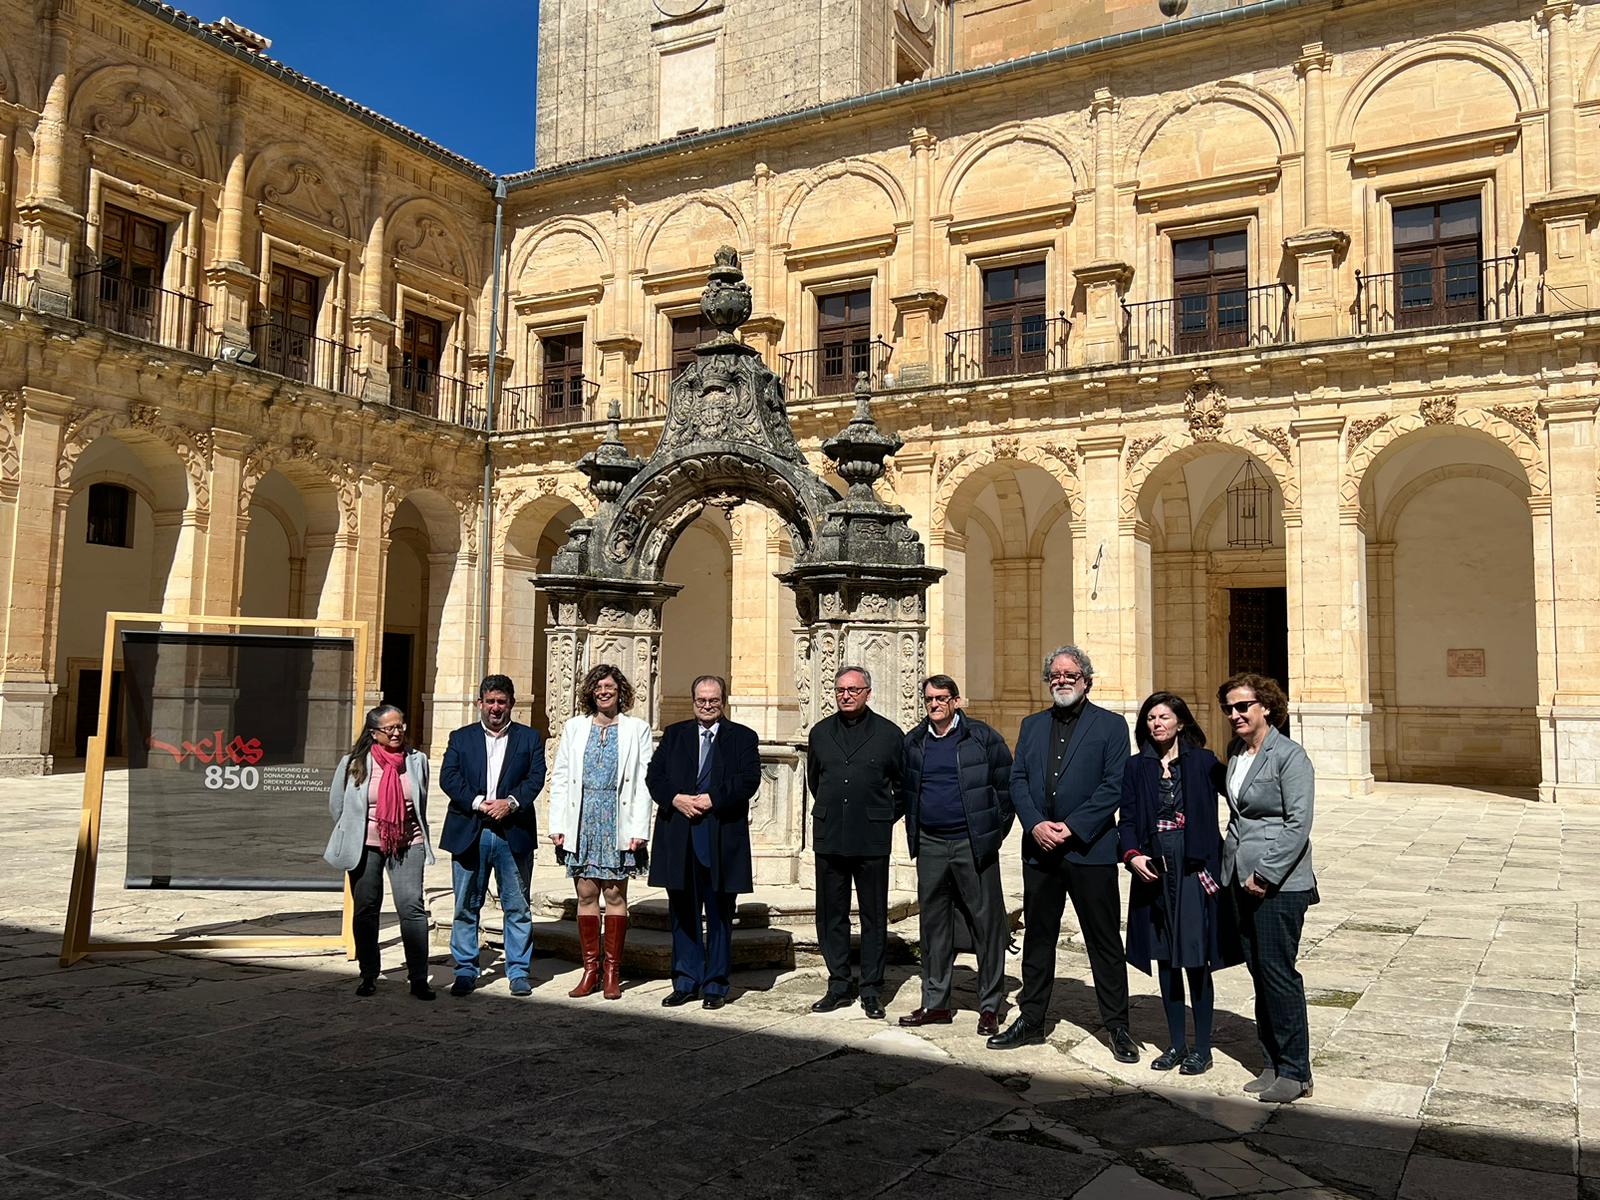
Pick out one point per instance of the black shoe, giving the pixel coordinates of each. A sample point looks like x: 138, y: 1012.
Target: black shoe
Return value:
x: 1123, y: 1048
x: 713, y: 1002
x: 463, y: 985
x: 677, y: 999
x: 1018, y: 1033
x: 422, y: 991
x: 833, y: 1000
x: 367, y: 986
x: 1169, y: 1058
x: 873, y: 1007
x: 1195, y: 1063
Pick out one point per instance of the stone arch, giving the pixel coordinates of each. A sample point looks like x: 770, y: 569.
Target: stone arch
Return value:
x: 172, y: 474
x: 424, y: 232
x: 577, y: 239
x: 1174, y: 451
x: 1047, y: 522
x: 1589, y: 78
x: 838, y: 177
x: 292, y: 176
x: 544, y: 500
x: 328, y: 490
x: 739, y: 235
x: 1230, y: 94
x: 19, y: 89
x: 1059, y: 463
x: 145, y: 111
x: 1397, y: 503
x: 445, y: 518
x: 1486, y: 424
x: 1484, y: 52
x: 976, y: 154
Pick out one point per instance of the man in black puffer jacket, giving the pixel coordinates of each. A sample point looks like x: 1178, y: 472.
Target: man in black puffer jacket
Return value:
x: 956, y: 795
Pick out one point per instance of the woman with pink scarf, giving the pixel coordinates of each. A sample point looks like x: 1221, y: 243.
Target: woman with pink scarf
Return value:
x: 379, y: 803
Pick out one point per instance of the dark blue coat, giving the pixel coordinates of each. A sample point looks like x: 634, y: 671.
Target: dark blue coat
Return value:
x: 1200, y: 776
x: 983, y: 765
x: 466, y: 772
x: 735, y: 778
x: 1089, y: 791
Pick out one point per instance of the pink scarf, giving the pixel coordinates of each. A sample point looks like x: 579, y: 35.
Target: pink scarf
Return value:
x: 391, y: 807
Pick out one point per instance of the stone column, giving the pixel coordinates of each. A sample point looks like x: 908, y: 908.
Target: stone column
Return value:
x: 1017, y: 626
x: 764, y: 328
x: 229, y: 521
x: 232, y: 284
x: 918, y: 311
x: 50, y: 223
x: 1567, y: 598
x: 1325, y: 561
x: 1106, y: 279
x: 1569, y: 265
x: 1317, y: 248
x: 1104, y: 575
x: 1380, y: 658
x: 372, y: 326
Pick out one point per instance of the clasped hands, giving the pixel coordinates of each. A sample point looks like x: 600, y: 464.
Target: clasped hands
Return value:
x: 497, y: 810
x: 692, y: 806
x: 1051, y: 834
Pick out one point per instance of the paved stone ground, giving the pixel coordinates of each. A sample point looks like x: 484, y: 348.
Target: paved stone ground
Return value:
x: 1454, y: 967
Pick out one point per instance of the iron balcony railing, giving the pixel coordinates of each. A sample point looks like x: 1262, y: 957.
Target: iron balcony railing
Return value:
x: 832, y: 370
x: 1424, y: 296
x: 442, y: 397
x: 11, y: 272
x: 1205, y: 322
x: 300, y: 356
x: 1034, y: 345
x: 140, y: 310
x: 651, y: 390
x: 541, y: 405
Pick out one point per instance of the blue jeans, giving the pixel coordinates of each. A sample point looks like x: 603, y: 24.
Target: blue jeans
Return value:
x: 513, y: 876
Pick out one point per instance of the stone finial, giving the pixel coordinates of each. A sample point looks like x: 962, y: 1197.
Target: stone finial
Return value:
x: 860, y: 447
x: 609, y: 466
x: 726, y: 302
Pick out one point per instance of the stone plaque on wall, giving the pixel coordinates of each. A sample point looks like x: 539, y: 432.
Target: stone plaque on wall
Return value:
x: 1465, y: 664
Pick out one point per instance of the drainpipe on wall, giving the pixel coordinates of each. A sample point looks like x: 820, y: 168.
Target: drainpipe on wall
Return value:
x: 486, y: 537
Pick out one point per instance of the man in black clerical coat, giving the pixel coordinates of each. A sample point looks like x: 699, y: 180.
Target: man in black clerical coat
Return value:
x: 854, y: 763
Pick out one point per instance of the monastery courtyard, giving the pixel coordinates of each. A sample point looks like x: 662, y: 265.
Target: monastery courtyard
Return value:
x: 1453, y: 968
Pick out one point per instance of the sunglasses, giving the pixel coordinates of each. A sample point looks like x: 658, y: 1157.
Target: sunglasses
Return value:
x: 1238, y: 706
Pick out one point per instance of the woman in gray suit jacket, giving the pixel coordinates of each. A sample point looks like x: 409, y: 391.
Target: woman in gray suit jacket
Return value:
x: 1266, y: 867
x: 379, y: 804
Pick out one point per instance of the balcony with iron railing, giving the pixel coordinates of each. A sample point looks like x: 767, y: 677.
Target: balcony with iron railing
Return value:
x: 832, y: 370
x: 1032, y: 345
x: 1424, y: 296
x: 10, y: 272
x: 1206, y: 322
x: 141, y: 310
x: 300, y: 356
x: 441, y: 397
x: 651, y: 391
x: 543, y: 405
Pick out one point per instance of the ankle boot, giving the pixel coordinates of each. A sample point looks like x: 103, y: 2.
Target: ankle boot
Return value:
x: 589, y: 939
x: 616, y: 934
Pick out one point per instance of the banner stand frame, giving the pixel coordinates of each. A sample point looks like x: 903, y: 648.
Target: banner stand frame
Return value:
x: 76, y: 940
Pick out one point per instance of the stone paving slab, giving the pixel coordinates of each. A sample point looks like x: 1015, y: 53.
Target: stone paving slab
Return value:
x: 1453, y: 968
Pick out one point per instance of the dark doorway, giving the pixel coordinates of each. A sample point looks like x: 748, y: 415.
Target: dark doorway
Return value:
x: 88, y: 715
x: 395, y: 674
x: 1258, y: 632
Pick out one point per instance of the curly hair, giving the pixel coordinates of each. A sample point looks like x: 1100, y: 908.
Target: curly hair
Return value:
x: 1267, y: 692
x: 592, y: 680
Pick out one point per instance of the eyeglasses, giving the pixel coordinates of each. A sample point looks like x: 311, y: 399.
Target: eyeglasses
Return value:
x: 1238, y: 706
x: 1066, y: 677
x: 930, y: 701
x: 851, y: 691
x: 389, y: 730
x: 714, y: 702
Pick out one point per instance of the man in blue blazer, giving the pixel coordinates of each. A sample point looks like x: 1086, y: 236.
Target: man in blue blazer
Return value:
x: 702, y: 777
x: 493, y: 772
x: 1066, y: 782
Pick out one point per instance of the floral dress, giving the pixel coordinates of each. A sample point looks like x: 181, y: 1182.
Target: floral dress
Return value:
x: 596, y: 855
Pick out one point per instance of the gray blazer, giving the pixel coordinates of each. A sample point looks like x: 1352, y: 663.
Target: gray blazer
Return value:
x: 347, y: 804
x: 1269, y: 825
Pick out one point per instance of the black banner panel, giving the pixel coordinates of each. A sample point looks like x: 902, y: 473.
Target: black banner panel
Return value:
x: 232, y: 742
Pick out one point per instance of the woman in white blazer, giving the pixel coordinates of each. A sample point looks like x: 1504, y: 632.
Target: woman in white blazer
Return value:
x: 600, y: 814
x: 379, y: 805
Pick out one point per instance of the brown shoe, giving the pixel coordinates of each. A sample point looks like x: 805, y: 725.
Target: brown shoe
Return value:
x: 988, y: 1023
x: 616, y: 934
x: 589, y: 940
x: 927, y: 1016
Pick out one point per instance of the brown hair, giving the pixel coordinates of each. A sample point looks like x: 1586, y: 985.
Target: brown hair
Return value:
x: 357, y: 770
x: 1267, y: 691
x: 592, y: 680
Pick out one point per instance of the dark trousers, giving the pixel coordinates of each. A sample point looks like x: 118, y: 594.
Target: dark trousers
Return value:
x: 946, y: 871
x: 701, y: 961
x: 366, y: 890
x: 1201, y: 994
x: 1269, y: 933
x: 870, y: 875
x: 1096, y: 901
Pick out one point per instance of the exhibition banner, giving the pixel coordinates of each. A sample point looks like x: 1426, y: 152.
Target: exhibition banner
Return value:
x: 232, y: 743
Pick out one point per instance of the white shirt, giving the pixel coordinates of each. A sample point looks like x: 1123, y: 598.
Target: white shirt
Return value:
x: 955, y: 722
x: 494, y: 750
x: 1237, y: 770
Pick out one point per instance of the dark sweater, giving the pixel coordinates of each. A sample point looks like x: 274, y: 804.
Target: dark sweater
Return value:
x: 939, y: 808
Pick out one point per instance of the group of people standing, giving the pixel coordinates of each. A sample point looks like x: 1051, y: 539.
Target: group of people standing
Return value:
x: 620, y: 806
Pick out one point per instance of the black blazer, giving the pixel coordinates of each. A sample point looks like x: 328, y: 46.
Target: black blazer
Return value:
x: 1089, y: 791
x: 983, y: 766
x: 735, y: 779
x: 464, y: 775
x: 854, y: 795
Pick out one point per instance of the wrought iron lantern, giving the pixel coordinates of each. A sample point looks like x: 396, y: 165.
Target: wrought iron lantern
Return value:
x: 1249, y: 508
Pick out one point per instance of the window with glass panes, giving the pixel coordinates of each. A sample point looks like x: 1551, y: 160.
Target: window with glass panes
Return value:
x: 1013, y: 319
x: 110, y: 515
x: 292, y: 320
x: 131, y: 249
x: 1210, y: 277
x: 420, y: 341
x: 1438, y: 258
x: 844, y: 340
x: 688, y: 332
x: 563, y: 376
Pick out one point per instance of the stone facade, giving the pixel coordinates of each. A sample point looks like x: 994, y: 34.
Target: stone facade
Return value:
x: 1392, y: 503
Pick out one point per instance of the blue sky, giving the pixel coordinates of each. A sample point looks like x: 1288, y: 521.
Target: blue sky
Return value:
x: 461, y: 73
